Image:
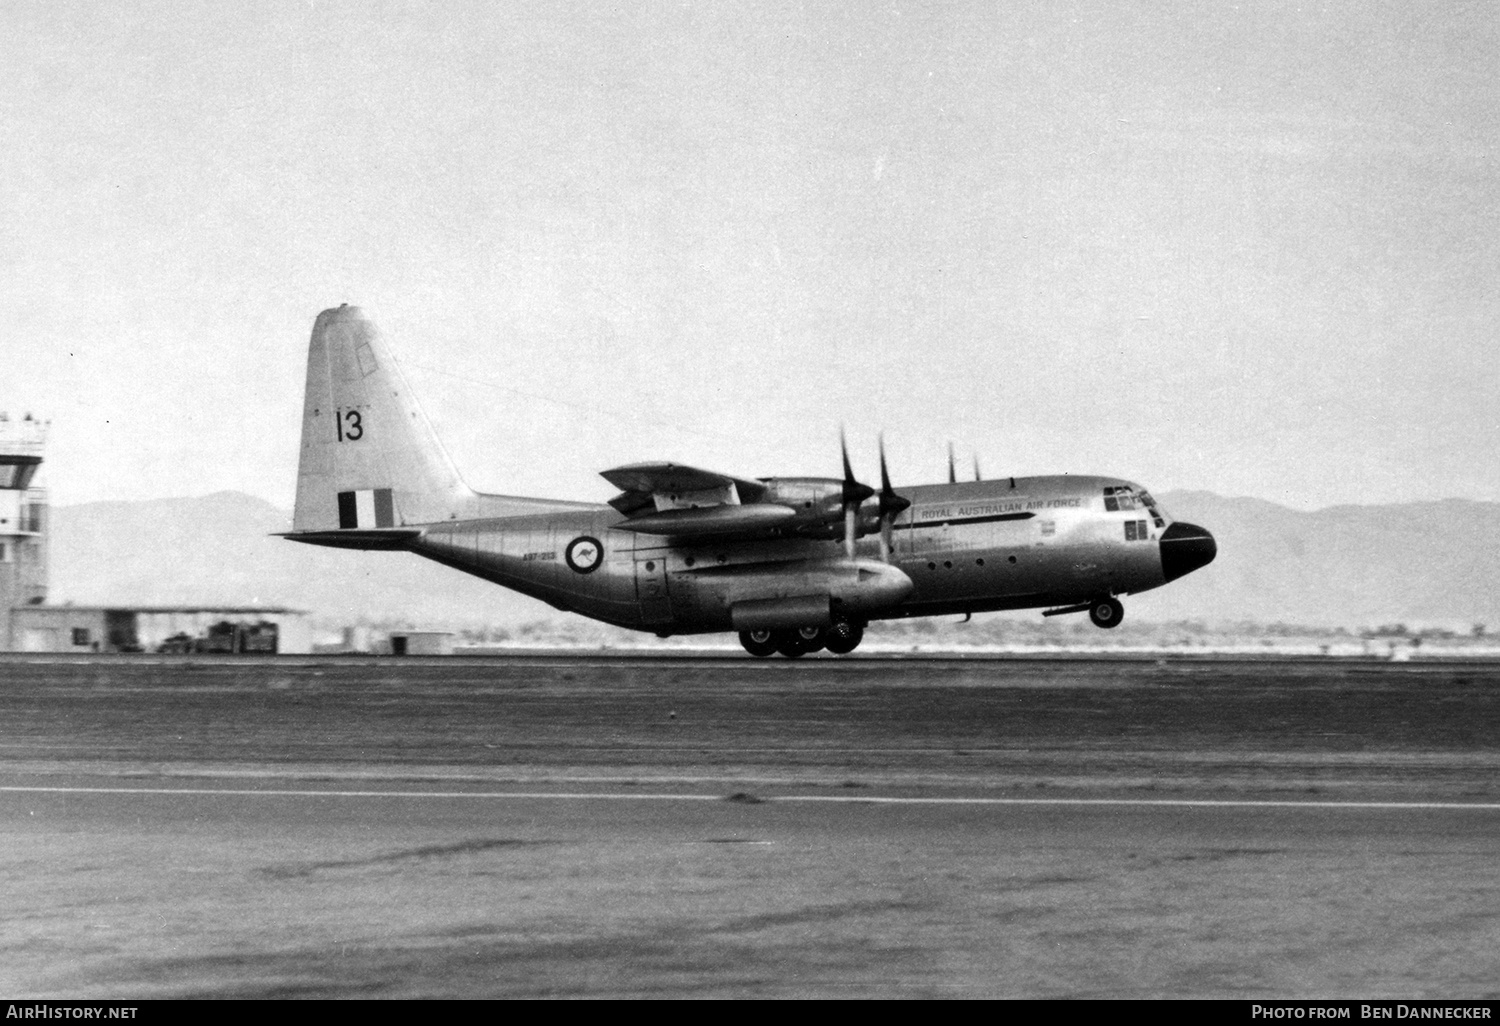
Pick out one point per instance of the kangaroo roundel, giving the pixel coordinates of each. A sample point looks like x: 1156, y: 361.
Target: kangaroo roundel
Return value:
x: 584, y: 554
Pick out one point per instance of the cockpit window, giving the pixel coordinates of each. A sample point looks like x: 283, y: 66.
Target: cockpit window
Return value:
x: 1155, y: 508
x: 1124, y: 498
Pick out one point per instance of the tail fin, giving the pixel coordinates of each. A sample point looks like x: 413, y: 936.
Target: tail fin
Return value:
x: 369, y: 457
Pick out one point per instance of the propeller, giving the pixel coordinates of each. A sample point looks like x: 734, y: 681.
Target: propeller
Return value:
x: 953, y: 468
x: 891, y: 506
x: 854, y: 493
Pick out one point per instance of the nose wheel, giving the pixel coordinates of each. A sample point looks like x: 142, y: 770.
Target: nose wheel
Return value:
x: 1106, y: 612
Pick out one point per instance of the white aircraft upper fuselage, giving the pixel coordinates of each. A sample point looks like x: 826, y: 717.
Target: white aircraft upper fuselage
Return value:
x: 793, y: 564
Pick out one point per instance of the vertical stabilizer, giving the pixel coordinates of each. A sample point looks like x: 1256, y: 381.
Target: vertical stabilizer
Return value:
x: 369, y: 457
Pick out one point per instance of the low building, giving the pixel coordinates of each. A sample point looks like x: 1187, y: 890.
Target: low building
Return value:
x: 421, y: 643
x: 181, y: 629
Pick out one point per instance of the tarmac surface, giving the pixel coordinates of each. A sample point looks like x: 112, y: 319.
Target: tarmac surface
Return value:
x: 680, y: 826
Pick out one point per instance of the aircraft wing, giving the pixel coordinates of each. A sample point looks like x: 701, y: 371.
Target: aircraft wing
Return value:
x: 724, y: 522
x: 671, y: 485
x: 672, y: 500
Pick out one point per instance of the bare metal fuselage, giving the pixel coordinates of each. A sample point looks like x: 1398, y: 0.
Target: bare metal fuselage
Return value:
x: 966, y: 547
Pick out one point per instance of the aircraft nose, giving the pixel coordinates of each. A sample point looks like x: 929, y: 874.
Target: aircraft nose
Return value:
x: 1185, y: 548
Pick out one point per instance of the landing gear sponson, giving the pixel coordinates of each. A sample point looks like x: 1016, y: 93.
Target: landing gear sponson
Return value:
x: 841, y: 637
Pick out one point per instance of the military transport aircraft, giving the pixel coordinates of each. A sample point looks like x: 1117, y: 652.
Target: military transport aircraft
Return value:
x: 794, y: 565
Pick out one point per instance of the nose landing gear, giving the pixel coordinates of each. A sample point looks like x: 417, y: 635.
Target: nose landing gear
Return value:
x: 1107, y: 612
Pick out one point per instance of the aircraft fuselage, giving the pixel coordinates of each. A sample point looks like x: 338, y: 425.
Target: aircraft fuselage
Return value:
x: 966, y: 547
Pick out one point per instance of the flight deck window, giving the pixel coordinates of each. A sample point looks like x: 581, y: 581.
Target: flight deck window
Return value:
x: 1119, y: 497
x: 1130, y: 530
x: 1154, y: 507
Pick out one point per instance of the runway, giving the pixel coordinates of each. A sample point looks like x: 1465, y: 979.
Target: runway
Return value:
x: 671, y: 827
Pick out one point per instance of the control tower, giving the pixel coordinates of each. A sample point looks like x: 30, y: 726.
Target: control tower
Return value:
x: 23, y: 519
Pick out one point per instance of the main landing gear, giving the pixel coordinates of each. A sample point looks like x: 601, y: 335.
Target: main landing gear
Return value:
x: 841, y: 638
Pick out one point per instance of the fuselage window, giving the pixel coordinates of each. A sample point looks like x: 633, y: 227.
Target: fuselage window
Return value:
x: 1136, y: 530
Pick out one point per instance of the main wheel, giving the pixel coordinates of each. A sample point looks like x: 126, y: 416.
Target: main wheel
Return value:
x: 790, y: 644
x: 813, y: 638
x: 760, y: 644
x: 844, y: 636
x: 1107, y: 612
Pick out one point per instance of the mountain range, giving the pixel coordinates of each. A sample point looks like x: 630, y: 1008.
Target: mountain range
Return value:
x: 1428, y: 564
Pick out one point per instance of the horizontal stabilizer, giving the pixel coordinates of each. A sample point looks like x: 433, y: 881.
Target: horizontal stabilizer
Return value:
x: 395, y: 538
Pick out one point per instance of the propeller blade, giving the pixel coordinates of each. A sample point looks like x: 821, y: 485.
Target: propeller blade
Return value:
x: 854, y: 493
x: 952, y: 470
x: 891, y: 506
x: 977, y: 476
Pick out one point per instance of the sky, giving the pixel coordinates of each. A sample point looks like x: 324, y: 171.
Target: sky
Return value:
x: 1248, y: 249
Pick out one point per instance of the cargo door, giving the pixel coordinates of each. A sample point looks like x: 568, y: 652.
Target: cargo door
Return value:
x: 651, y: 586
